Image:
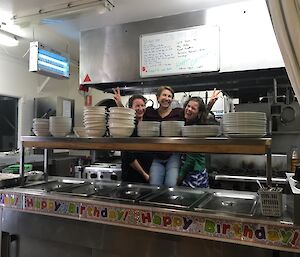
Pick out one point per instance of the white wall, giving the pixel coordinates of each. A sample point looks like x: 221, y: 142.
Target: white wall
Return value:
x: 247, y: 38
x: 17, y: 81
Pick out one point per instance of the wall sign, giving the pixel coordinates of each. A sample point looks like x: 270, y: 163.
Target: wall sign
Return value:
x: 189, y: 50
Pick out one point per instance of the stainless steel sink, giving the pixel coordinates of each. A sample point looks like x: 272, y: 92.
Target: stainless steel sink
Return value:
x: 175, y: 198
x: 234, y: 203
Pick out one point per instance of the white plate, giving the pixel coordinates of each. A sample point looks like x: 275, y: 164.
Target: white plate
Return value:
x: 251, y: 135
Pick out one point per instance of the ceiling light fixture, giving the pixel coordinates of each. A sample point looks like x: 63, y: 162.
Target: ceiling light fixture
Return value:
x: 8, y: 39
x: 75, y: 7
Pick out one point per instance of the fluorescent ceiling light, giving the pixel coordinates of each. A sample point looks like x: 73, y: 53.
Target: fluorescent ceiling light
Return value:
x: 8, y: 39
x: 63, y: 10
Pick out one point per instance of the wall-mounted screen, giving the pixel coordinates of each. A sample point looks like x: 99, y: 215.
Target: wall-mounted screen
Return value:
x: 48, y: 62
x: 184, y: 51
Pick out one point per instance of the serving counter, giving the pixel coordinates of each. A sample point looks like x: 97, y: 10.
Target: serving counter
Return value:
x: 90, y: 226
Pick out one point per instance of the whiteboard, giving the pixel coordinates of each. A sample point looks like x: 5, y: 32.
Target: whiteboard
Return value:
x: 189, y: 50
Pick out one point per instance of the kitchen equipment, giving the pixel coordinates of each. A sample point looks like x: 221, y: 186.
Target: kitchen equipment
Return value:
x: 295, y: 158
x: 34, y: 175
x: 121, y: 122
x: 175, y: 198
x: 53, y: 184
x: 271, y: 201
x: 171, y: 128
x: 287, y: 115
x: 60, y: 126
x: 148, y: 129
x: 200, y: 131
x: 106, y: 171
x: 80, y: 131
x: 9, y: 180
x: 235, y: 203
x: 133, y: 192
x: 15, y: 168
x: 40, y: 127
x: 85, y: 189
x: 259, y: 184
x: 297, y: 173
x: 57, y: 105
x: 104, y: 189
x: 94, y: 120
x: 244, y: 124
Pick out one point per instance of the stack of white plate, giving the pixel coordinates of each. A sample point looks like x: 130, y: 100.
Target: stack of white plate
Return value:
x: 121, y: 121
x: 41, y: 127
x: 60, y: 126
x: 244, y: 124
x: 200, y: 131
x: 148, y: 129
x: 94, y: 120
x: 171, y: 128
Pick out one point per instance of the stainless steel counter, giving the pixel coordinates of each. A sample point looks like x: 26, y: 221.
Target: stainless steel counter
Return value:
x: 196, y: 219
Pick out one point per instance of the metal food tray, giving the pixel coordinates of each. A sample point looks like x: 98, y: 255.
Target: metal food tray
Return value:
x: 133, y: 192
x: 175, y: 198
x: 104, y: 189
x: 229, y: 202
x: 88, y: 189
x: 52, y: 185
x: 9, y: 180
x: 85, y: 189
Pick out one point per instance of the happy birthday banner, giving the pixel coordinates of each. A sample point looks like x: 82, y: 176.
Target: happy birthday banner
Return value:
x: 261, y: 235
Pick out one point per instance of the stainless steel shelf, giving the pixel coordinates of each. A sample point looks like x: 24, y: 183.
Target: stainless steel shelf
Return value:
x: 155, y: 144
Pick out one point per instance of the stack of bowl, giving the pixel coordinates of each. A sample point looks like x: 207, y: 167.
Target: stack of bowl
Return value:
x: 80, y: 132
x: 94, y: 120
x: 148, y: 129
x: 200, y: 131
x: 171, y: 128
x: 60, y: 126
x: 40, y: 127
x: 121, y: 121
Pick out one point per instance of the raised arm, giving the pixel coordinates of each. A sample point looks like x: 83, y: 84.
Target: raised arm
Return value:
x: 213, y: 99
x: 117, y: 97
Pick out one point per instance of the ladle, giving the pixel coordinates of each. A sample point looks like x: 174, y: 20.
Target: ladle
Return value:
x: 259, y: 184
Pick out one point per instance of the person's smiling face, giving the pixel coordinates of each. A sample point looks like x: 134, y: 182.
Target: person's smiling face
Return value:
x: 140, y: 107
x: 191, y: 111
x: 165, y: 98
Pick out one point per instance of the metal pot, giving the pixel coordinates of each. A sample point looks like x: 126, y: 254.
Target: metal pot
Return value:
x: 288, y: 114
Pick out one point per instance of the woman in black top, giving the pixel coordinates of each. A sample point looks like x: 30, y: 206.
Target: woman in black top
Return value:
x: 136, y: 165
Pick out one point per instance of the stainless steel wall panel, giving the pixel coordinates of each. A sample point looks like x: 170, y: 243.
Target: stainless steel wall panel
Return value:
x: 111, y: 54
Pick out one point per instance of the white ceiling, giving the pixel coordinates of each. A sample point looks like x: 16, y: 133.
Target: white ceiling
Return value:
x: 66, y: 32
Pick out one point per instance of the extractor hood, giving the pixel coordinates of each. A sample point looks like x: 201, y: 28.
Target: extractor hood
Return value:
x: 110, y: 56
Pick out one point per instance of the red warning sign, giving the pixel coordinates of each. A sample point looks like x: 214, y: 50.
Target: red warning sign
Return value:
x: 87, y: 78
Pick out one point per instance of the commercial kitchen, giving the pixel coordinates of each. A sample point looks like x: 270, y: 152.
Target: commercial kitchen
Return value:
x: 61, y: 190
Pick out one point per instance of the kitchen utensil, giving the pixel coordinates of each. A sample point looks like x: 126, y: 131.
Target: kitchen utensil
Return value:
x: 259, y: 184
x: 271, y: 201
x: 288, y: 114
